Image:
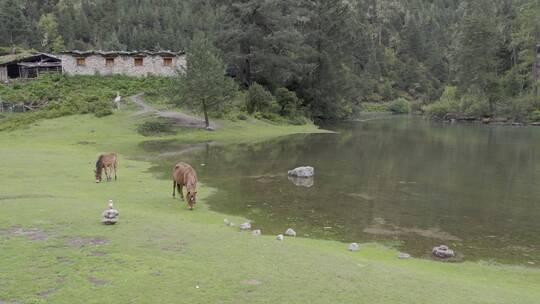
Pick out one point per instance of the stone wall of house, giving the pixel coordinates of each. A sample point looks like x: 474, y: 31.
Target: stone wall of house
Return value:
x: 3, y: 73
x: 124, y: 65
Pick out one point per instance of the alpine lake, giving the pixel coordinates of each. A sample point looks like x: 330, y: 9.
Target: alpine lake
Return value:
x: 401, y: 181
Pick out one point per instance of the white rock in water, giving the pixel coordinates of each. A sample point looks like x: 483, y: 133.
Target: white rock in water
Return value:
x: 290, y: 232
x: 226, y: 222
x: 403, y: 256
x: 256, y: 232
x: 280, y: 237
x: 353, y: 247
x: 302, y: 172
x: 245, y: 226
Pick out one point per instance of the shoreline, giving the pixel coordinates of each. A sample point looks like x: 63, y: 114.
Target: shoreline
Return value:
x: 156, y: 234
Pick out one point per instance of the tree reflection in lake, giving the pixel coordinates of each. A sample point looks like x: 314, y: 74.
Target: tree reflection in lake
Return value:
x: 406, y: 181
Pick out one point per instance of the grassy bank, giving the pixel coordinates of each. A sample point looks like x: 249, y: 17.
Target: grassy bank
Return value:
x: 54, y: 249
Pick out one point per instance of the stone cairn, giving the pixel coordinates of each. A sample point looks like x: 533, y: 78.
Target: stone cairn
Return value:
x: 110, y: 216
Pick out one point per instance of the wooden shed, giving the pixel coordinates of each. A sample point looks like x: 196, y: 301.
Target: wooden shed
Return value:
x: 28, y: 66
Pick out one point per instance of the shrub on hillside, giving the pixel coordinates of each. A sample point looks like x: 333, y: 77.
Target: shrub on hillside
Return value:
x: 518, y: 108
x: 61, y: 95
x: 102, y: 108
x: 258, y: 99
x: 473, y: 105
x: 447, y: 104
x: 367, y: 107
x: 299, y: 120
x: 287, y: 101
x: 400, y: 106
x: 534, y: 116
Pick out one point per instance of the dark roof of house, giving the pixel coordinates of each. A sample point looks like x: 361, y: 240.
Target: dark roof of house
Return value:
x: 122, y: 53
x: 28, y: 58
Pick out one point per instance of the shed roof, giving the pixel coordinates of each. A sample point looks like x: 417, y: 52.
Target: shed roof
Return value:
x: 26, y: 57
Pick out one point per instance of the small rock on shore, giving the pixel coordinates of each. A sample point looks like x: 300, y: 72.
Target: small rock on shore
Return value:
x: 443, y: 252
x: 290, y: 232
x: 353, y: 247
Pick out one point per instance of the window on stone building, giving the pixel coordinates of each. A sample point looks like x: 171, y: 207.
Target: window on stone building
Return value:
x: 109, y: 62
x: 81, y: 61
x: 138, y: 61
x: 167, y: 61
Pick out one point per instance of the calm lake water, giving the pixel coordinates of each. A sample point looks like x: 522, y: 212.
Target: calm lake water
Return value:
x: 402, y: 181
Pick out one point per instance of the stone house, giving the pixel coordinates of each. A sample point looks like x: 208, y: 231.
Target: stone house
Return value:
x: 136, y: 63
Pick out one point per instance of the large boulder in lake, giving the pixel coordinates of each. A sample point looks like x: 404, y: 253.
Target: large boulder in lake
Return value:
x: 302, y: 172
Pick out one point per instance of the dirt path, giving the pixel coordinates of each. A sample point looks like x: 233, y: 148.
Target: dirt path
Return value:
x: 179, y: 118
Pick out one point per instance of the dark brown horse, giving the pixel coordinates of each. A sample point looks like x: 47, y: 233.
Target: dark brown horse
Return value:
x: 108, y: 162
x: 185, y: 175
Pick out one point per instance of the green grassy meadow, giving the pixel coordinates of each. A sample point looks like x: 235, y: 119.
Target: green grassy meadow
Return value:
x: 53, y: 248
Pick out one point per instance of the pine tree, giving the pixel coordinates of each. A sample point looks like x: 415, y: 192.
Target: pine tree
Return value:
x: 204, y: 86
x: 476, y: 57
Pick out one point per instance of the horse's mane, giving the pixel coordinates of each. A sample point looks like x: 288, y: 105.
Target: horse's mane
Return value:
x: 98, y: 164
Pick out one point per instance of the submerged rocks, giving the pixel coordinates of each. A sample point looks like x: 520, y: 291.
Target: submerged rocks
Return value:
x: 307, y: 182
x: 353, y: 247
x: 228, y: 223
x: 280, y: 237
x: 110, y: 216
x: 302, y: 172
x: 443, y: 252
x: 290, y: 232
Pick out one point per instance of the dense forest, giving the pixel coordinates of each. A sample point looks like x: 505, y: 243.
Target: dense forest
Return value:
x: 447, y: 57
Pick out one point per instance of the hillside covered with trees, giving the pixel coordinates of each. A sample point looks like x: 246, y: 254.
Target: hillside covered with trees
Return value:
x: 449, y: 57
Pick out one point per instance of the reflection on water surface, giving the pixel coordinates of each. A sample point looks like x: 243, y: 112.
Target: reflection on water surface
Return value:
x: 404, y: 181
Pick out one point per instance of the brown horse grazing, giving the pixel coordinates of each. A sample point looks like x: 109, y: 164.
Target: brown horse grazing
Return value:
x: 185, y: 175
x: 107, y: 162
